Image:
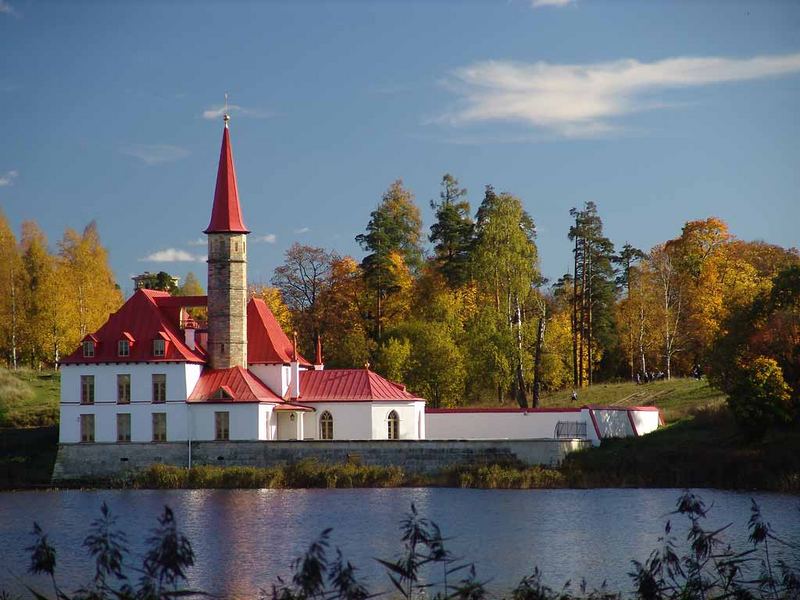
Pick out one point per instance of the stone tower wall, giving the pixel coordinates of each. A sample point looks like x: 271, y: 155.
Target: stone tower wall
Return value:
x: 227, y: 300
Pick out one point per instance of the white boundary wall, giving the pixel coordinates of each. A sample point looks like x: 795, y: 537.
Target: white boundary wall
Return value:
x: 510, y: 424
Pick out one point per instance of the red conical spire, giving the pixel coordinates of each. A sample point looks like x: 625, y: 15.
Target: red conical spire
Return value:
x: 318, y: 357
x: 226, y: 215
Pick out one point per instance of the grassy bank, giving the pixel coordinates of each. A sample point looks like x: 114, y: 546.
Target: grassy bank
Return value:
x: 702, y: 450
x: 29, y: 398
x: 303, y: 474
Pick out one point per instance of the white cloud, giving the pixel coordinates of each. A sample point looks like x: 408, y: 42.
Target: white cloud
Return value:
x: 216, y: 112
x: 173, y: 255
x: 7, y: 9
x: 583, y: 100
x: 541, y: 3
x: 269, y: 238
x: 197, y: 242
x: 302, y: 230
x: 154, y: 154
x: 8, y: 178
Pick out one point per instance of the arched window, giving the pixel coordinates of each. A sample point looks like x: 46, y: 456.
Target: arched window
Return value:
x: 326, y: 426
x: 394, y: 425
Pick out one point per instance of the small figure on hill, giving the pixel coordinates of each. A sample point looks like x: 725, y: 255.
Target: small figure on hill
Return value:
x: 638, y: 379
x: 574, y: 396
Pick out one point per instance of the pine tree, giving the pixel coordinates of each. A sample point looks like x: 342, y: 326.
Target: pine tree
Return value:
x: 452, y: 232
x: 394, y: 229
x: 593, y: 292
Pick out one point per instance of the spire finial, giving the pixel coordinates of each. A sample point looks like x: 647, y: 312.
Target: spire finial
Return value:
x: 294, y: 346
x: 225, y: 116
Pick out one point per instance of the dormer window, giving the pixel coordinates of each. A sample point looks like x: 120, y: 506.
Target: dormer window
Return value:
x: 124, y: 344
x: 222, y: 393
x: 159, y: 347
x: 88, y: 349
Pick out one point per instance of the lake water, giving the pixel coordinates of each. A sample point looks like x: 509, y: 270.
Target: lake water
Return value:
x: 245, y: 539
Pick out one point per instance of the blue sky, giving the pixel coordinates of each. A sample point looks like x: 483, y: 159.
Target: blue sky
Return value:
x: 658, y: 112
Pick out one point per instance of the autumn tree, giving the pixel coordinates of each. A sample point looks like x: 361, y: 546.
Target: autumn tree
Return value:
x: 302, y: 278
x: 435, y: 365
x: 42, y: 299
x: 505, y: 263
x: 392, y: 237
x: 452, y: 232
x: 92, y: 293
x: 755, y: 358
x: 343, y: 313
x: 192, y: 287
x: 630, y: 305
x: 11, y: 282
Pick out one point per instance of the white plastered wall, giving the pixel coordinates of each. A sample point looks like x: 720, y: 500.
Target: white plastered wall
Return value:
x: 497, y: 425
x: 408, y: 413
x: 181, y: 379
x: 275, y: 377
x: 244, y: 420
x: 646, y: 420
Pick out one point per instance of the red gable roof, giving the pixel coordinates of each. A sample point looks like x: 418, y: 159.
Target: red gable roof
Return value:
x: 226, y: 214
x: 140, y: 319
x: 267, y: 344
x: 342, y: 385
x: 239, y: 385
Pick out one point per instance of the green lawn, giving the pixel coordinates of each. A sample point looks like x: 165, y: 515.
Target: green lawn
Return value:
x: 29, y: 398
x: 677, y: 398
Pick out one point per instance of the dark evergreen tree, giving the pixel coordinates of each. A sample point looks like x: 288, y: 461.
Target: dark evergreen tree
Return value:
x: 594, y: 294
x: 394, y: 229
x: 452, y: 232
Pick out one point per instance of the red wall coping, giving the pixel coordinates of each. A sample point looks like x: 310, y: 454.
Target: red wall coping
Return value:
x: 499, y: 410
x: 436, y: 411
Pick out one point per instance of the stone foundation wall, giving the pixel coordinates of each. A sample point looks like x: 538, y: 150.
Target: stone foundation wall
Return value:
x: 82, y: 461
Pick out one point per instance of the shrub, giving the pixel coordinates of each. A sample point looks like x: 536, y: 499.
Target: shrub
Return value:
x: 759, y: 397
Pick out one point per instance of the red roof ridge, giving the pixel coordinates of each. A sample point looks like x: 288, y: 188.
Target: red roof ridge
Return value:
x: 226, y: 214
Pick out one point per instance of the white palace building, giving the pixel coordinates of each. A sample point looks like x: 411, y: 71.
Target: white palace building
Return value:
x: 151, y: 374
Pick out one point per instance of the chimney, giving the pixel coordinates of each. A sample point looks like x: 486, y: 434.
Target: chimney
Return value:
x: 189, y: 327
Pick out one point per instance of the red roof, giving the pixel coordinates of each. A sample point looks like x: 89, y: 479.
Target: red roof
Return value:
x: 142, y: 320
x: 267, y: 344
x: 237, y: 383
x: 350, y: 385
x: 226, y: 215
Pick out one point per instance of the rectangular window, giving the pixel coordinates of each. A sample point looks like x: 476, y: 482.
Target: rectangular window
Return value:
x: 159, y: 427
x: 124, y: 427
x: 123, y: 389
x: 88, y: 349
x: 123, y: 348
x: 221, y: 426
x: 159, y: 387
x: 87, y: 389
x: 87, y: 428
x: 158, y: 347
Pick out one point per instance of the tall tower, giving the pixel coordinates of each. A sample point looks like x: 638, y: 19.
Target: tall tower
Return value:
x: 227, y: 268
